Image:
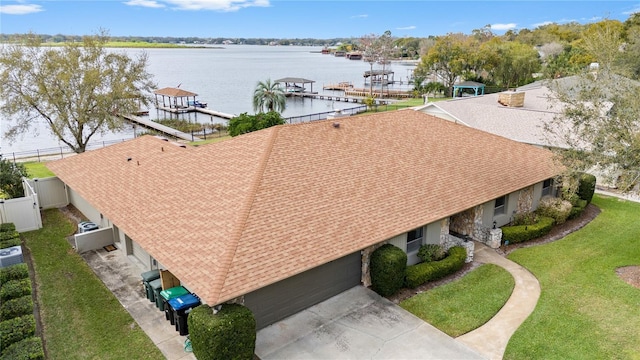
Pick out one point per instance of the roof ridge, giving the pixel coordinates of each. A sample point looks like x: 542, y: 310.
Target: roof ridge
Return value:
x: 245, y: 210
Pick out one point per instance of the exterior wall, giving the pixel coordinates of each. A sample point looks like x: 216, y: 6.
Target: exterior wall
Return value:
x: 537, y: 194
x: 525, y: 200
x: 432, y: 233
x: 83, y: 206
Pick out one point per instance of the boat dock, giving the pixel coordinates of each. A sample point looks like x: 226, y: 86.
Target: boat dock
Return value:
x: 161, y: 128
x: 207, y: 111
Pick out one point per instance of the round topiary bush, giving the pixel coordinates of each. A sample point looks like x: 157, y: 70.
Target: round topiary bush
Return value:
x: 228, y: 334
x: 388, y: 264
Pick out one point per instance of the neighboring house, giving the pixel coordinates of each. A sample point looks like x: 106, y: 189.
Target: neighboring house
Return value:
x: 285, y: 217
x: 519, y: 115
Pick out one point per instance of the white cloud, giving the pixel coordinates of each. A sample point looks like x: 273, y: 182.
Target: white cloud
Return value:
x: 503, y: 26
x: 145, y: 3
x: 412, y: 27
x: 20, y: 9
x: 360, y: 16
x: 216, y: 5
x: 632, y: 11
x: 544, y: 23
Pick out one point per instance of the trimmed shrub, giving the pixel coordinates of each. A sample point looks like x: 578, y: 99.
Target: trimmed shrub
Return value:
x: 16, y: 307
x: 586, y: 187
x: 577, y: 209
x: 521, y: 233
x: 27, y: 349
x: 8, y: 235
x: 14, y: 272
x: 15, y: 289
x: 524, y: 218
x: 424, y: 272
x: 10, y: 243
x: 388, y: 264
x: 431, y: 252
x: 16, y: 329
x: 4, y: 227
x: 555, y: 208
x: 229, y: 334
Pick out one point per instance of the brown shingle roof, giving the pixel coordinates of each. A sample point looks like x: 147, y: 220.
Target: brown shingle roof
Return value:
x: 174, y: 92
x: 232, y: 217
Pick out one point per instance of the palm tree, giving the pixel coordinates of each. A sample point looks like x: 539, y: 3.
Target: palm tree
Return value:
x: 268, y: 96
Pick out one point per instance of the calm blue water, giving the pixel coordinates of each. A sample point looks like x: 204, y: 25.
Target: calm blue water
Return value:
x: 225, y: 80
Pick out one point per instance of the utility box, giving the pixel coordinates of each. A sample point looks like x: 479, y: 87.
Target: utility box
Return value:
x: 86, y: 226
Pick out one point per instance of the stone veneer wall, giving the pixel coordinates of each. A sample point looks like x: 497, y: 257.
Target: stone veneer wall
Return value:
x: 366, y: 261
x: 525, y: 200
x: 462, y: 223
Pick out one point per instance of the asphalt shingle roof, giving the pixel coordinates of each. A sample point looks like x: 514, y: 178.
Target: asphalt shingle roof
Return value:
x: 232, y: 217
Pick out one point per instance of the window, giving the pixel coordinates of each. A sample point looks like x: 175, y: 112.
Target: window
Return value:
x: 546, y: 187
x: 500, y: 207
x: 414, y: 239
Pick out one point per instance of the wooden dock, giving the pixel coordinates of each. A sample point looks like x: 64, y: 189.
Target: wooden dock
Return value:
x: 342, y: 98
x: 161, y: 128
x: 182, y: 110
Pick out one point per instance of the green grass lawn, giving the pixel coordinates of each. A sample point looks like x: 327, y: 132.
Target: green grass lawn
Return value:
x: 585, y: 310
x: 82, y: 319
x: 38, y: 170
x: 466, y: 304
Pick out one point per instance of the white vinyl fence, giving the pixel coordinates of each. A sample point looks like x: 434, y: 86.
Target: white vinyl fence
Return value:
x: 39, y: 194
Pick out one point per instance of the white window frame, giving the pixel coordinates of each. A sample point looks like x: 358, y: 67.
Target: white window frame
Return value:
x: 413, y: 244
x: 500, y: 209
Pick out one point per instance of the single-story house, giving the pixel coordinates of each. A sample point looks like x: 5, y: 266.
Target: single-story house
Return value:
x: 519, y: 115
x: 285, y: 217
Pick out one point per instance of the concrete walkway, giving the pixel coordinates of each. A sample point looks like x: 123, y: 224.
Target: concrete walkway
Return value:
x: 122, y: 277
x: 491, y: 339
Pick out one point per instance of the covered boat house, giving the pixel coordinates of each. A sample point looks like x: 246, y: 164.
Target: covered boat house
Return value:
x: 174, y: 99
x: 295, y: 85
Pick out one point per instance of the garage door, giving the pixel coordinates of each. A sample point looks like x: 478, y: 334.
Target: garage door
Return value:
x: 287, y: 297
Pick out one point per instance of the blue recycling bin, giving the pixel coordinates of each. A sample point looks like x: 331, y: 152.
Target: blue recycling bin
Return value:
x: 147, y: 277
x: 181, y: 307
x: 167, y: 295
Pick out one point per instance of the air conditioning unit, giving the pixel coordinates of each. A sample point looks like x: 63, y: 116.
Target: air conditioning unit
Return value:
x: 11, y: 256
x: 86, y: 226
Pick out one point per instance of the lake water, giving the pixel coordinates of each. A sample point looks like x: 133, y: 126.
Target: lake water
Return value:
x: 225, y: 78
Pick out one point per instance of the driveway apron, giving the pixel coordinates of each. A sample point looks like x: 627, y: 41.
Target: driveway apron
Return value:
x: 357, y: 324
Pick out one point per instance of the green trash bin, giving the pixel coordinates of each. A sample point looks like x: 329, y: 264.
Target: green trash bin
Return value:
x: 167, y: 295
x: 147, y: 277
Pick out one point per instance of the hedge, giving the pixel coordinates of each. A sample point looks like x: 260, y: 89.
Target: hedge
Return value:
x: 8, y: 235
x: 14, y: 289
x: 4, y: 227
x: 586, y: 187
x: 521, y: 233
x: 10, y: 243
x: 14, y: 272
x: 430, y: 271
x: 27, y: 349
x: 229, y: 334
x: 16, y: 307
x: 388, y: 265
x: 16, y: 329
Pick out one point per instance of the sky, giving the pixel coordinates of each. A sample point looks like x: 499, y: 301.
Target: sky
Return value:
x: 319, y: 19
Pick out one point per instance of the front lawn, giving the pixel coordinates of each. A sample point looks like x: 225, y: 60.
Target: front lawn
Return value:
x: 82, y: 319
x: 466, y: 304
x: 585, y: 310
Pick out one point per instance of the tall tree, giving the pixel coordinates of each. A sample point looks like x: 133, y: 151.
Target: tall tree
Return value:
x: 77, y: 89
x: 447, y: 59
x: 269, y: 96
x: 600, y: 120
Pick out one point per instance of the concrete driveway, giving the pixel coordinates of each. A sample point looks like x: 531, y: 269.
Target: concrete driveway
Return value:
x: 357, y: 324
